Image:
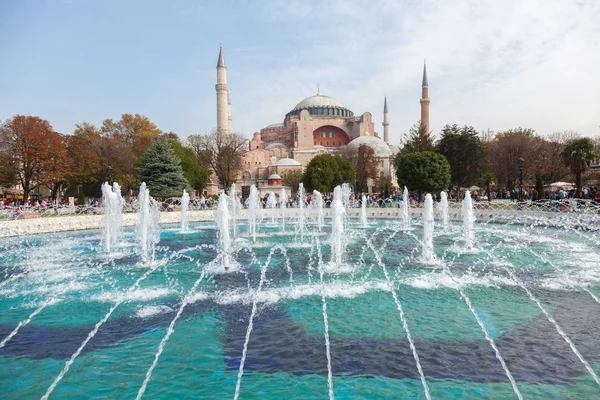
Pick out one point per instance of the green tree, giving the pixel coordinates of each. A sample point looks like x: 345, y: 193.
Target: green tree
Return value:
x: 161, y: 170
x: 196, y: 174
x: 326, y: 171
x: 292, y: 178
x: 464, y: 150
x: 425, y: 171
x: 578, y: 156
x: 419, y: 139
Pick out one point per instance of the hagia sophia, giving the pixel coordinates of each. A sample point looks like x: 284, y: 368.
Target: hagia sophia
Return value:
x: 316, y: 125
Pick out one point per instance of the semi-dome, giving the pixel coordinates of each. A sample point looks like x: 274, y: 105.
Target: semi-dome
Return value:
x: 288, y: 162
x: 380, y: 147
x: 274, y: 177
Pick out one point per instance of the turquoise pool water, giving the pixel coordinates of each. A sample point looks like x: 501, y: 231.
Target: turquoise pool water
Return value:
x: 60, y: 291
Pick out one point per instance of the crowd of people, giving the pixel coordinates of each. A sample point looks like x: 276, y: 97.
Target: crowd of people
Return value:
x: 590, y: 195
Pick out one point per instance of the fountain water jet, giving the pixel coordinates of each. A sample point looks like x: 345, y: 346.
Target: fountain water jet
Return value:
x: 442, y: 208
x: 301, y: 198
x: 253, y: 209
x: 282, y: 207
x: 222, y: 219
x: 148, y: 233
x: 337, y: 227
x: 234, y: 207
x: 185, y: 202
x: 428, y: 255
x: 272, y: 204
x: 405, y: 218
x: 346, y: 193
x: 468, y: 221
x: 317, y: 205
x: 112, y: 220
x: 363, y: 211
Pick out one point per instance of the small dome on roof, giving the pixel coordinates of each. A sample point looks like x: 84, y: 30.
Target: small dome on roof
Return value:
x: 287, y: 162
x: 274, y: 176
x: 380, y: 147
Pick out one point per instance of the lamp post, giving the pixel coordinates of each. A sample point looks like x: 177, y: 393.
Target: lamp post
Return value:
x: 521, y: 161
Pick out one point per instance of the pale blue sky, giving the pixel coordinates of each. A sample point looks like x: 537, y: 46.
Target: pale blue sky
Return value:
x: 491, y: 64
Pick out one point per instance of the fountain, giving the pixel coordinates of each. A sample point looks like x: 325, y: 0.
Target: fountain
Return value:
x: 363, y: 211
x: 405, y: 216
x: 272, y: 205
x: 346, y: 193
x: 442, y: 208
x: 185, y: 202
x: 468, y: 222
x: 428, y: 255
x: 148, y: 233
x: 253, y: 210
x: 290, y: 324
x: 317, y: 206
x: 235, y: 205
x: 337, y: 227
x: 301, y: 199
x: 112, y: 220
x: 222, y: 220
x: 283, y: 207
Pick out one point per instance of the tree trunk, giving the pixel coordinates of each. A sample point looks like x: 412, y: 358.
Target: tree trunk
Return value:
x: 578, y: 182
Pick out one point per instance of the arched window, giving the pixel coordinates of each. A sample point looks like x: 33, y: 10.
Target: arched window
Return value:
x: 315, y: 145
x: 327, y: 143
x: 321, y: 143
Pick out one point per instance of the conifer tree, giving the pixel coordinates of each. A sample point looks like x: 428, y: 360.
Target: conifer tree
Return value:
x: 419, y: 139
x: 161, y: 170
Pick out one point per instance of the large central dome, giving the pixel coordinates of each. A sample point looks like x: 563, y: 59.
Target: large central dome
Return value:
x: 321, y: 105
x: 318, y: 101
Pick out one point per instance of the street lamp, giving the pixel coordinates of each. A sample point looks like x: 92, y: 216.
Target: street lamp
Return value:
x: 110, y: 170
x: 521, y: 161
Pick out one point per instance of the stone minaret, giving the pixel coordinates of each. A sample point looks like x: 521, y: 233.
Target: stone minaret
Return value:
x: 425, y: 99
x: 386, y: 123
x: 229, y: 113
x: 222, y: 95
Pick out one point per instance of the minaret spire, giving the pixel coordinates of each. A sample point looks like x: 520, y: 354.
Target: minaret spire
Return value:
x: 386, y: 123
x: 425, y: 98
x: 223, y: 108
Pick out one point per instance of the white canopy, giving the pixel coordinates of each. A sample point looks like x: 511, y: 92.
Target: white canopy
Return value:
x: 561, y: 184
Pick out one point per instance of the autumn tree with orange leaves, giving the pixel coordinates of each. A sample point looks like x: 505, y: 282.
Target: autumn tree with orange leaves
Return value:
x: 35, y: 151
